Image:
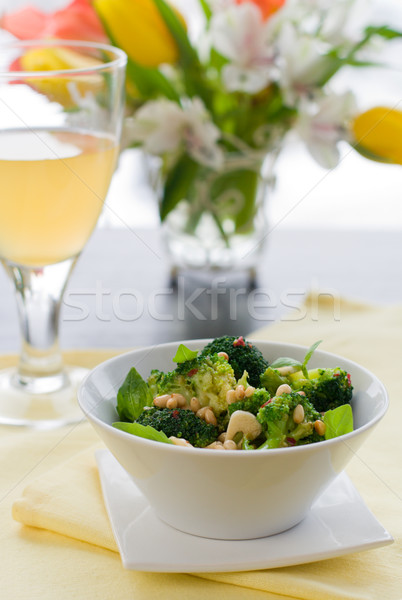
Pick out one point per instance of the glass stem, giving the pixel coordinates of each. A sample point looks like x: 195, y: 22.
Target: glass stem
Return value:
x: 39, y: 292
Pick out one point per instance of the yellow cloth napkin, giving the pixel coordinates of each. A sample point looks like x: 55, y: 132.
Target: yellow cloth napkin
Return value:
x: 67, y: 498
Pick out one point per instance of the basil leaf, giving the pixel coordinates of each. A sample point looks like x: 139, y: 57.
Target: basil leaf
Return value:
x: 144, y: 431
x: 309, y: 354
x: 132, y: 396
x: 184, y: 354
x: 285, y: 361
x: 338, y: 421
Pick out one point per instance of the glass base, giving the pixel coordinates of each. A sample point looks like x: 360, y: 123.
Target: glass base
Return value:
x: 42, y: 410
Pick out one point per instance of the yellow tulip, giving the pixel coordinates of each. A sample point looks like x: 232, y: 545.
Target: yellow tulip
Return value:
x: 378, y: 132
x: 59, y: 59
x: 138, y: 28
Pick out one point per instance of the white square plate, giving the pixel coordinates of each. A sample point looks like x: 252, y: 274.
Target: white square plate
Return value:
x: 338, y: 523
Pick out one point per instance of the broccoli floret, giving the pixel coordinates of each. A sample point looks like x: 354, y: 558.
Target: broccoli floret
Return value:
x: 271, y: 380
x: 251, y: 404
x: 276, y: 418
x: 243, y: 356
x: 211, y: 381
x: 170, y: 383
x: 180, y: 423
x: 326, y: 388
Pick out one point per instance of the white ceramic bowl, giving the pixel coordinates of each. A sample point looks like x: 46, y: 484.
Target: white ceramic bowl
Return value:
x: 228, y: 494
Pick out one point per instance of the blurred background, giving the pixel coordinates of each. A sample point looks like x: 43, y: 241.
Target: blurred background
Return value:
x: 328, y: 230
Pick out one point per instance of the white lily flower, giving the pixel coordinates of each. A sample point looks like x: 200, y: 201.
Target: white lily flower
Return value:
x: 157, y: 125
x: 322, y: 125
x: 302, y: 63
x: 240, y: 35
x: 162, y: 126
x: 324, y: 19
x: 201, y: 135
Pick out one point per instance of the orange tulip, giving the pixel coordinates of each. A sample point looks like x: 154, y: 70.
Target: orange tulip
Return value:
x: 378, y: 134
x: 138, y: 28
x: 267, y: 7
x: 77, y: 21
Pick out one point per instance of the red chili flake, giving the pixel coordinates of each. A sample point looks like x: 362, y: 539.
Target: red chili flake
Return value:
x: 192, y: 372
x: 239, y: 342
x: 267, y: 402
x: 175, y: 414
x: 291, y: 441
x: 349, y: 379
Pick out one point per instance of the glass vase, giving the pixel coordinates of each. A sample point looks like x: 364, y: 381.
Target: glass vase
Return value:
x: 220, y: 221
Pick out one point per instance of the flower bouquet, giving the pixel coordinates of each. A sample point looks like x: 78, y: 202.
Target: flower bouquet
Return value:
x: 213, y: 108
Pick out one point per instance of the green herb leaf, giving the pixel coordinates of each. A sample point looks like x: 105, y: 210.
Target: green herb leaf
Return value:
x: 309, y: 354
x: 338, y: 421
x: 178, y: 182
x: 184, y: 354
x: 144, y: 431
x: 132, y: 396
x: 285, y: 361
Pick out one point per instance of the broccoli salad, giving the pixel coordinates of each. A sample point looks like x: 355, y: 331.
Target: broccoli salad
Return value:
x: 228, y: 397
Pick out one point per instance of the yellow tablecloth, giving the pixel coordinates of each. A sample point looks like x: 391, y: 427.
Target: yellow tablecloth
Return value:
x: 54, y: 479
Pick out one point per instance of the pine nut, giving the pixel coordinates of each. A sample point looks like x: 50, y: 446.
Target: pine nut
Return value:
x: 171, y: 403
x: 301, y: 393
x: 210, y: 417
x: 230, y: 445
x: 285, y: 370
x: 181, y: 401
x: 201, y: 413
x: 195, y: 404
x: 230, y: 396
x: 215, y: 446
x: 298, y: 414
x: 283, y: 389
x: 320, y: 427
x: 224, y: 355
x: 249, y: 391
x: 240, y: 392
x: 160, y: 401
x: 222, y: 437
x: 180, y: 441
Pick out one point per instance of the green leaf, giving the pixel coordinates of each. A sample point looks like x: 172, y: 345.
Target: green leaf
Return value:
x: 309, y: 354
x: 187, y: 53
x: 144, y: 431
x: 338, y: 421
x: 384, y: 31
x: 177, y: 184
x: 184, y: 354
x: 285, y: 361
x: 245, y: 182
x: 132, y: 396
x: 193, y: 73
x: 150, y: 82
x: 207, y: 9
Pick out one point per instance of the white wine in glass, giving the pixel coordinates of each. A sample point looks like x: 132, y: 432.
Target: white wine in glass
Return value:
x: 61, y: 109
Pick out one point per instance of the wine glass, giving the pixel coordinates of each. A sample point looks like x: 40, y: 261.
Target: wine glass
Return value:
x: 61, y: 108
